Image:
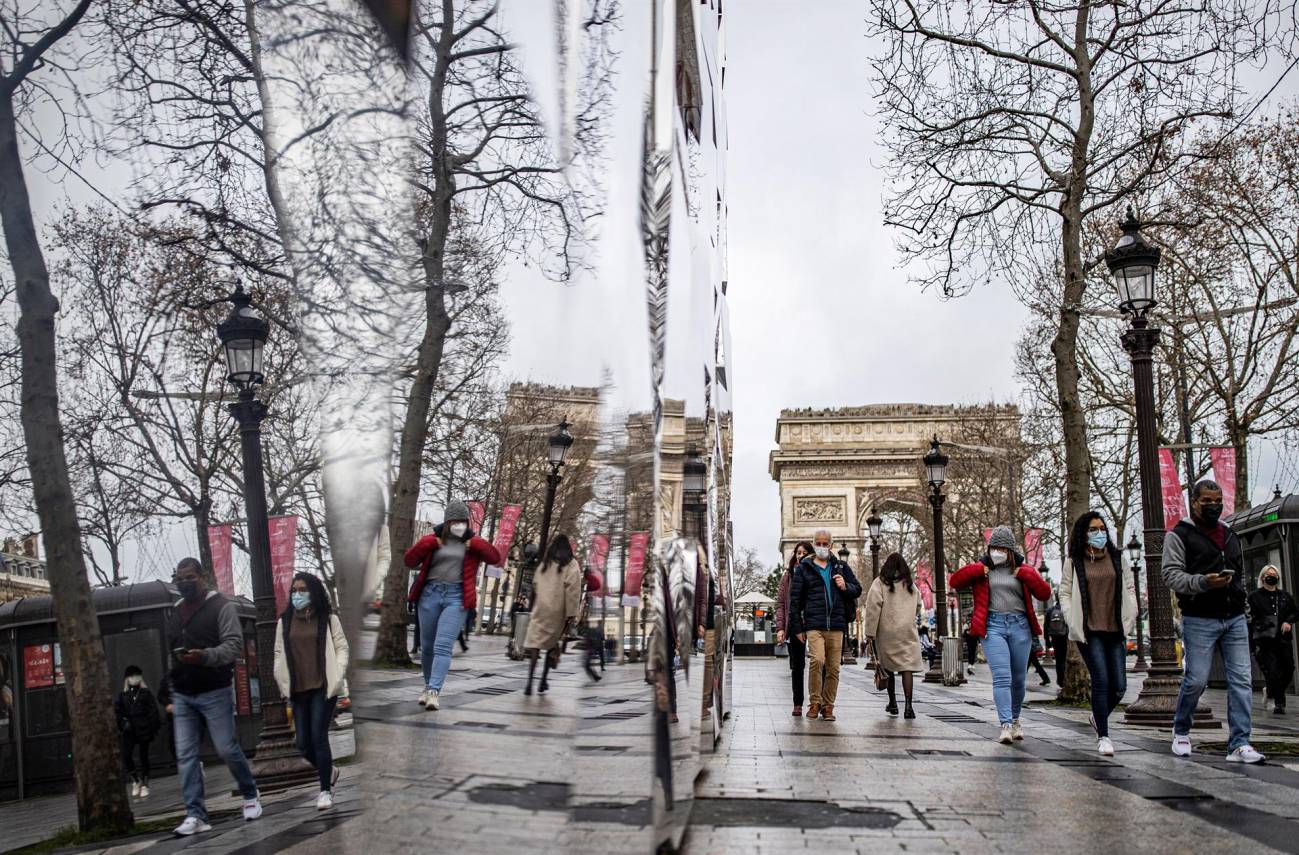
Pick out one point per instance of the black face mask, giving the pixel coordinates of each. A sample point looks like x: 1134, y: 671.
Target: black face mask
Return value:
x: 1271, y: 580
x: 188, y: 589
x: 1210, y: 513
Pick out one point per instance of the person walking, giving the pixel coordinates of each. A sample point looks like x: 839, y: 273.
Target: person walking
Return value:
x: 138, y: 722
x: 819, y: 593
x: 1004, y: 618
x: 1099, y: 602
x: 1273, y: 614
x: 797, y: 649
x: 1057, y: 633
x: 556, y: 602
x: 206, y: 640
x: 311, y: 654
x: 444, y: 589
x: 971, y: 642
x: 892, y: 605
x: 927, y: 648
x: 1204, y: 566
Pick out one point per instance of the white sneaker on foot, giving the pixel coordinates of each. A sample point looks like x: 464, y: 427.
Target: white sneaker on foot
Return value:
x: 1091, y: 719
x: 1005, y: 738
x: 431, y: 702
x: 1245, y: 754
x: 1181, y: 745
x: 423, y: 697
x: 1017, y: 731
x: 253, y: 807
x: 1104, y: 747
x: 191, y: 825
x: 135, y: 789
x: 144, y: 791
x: 325, y: 800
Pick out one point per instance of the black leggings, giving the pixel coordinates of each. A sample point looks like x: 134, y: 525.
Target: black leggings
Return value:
x: 129, y: 746
x: 797, y: 668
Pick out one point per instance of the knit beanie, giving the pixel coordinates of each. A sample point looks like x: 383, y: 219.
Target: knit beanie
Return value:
x: 457, y: 510
x: 1002, y: 538
x: 133, y: 671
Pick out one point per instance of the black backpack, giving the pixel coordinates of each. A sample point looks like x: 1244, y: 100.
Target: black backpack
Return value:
x: 1055, y: 623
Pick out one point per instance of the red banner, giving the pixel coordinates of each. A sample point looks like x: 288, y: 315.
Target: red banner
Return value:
x: 505, y: 530
x: 634, y: 573
x: 925, y: 582
x: 1033, y: 548
x: 1224, y: 472
x: 595, y: 557
x: 38, y: 666
x: 284, y: 537
x: 987, y: 536
x: 218, y: 543
x: 1174, y: 507
x: 477, y: 513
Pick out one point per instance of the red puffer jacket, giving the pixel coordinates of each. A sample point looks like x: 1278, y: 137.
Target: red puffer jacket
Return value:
x: 975, y: 575
x: 477, y: 551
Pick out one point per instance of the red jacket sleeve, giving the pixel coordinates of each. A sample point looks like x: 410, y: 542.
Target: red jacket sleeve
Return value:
x: 484, y: 551
x: 419, y: 553
x: 1037, y: 586
x: 966, y: 576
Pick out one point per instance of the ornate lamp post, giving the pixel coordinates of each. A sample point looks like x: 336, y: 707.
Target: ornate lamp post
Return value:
x: 936, y: 473
x: 243, y: 336
x: 1132, y: 262
x: 1134, y: 562
x: 694, y: 494
x: 848, y: 656
x: 874, y: 525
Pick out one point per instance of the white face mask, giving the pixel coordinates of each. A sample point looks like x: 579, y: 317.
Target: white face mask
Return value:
x: 998, y: 556
x: 134, y: 681
x: 459, y: 529
x: 822, y: 552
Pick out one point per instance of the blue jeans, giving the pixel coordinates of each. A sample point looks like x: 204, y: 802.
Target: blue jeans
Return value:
x: 312, y: 715
x: 1106, y: 656
x: 441, y: 617
x: 217, y: 709
x: 1006, y: 648
x: 1199, y: 637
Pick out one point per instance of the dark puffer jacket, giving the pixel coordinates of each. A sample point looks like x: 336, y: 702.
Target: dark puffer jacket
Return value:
x: 812, y: 605
x: 137, y: 713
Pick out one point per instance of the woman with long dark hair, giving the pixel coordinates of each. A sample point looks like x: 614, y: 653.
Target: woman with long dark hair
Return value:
x: 1099, y: 601
x: 890, y: 625
x: 797, y: 649
x: 310, y: 663
x: 556, y: 603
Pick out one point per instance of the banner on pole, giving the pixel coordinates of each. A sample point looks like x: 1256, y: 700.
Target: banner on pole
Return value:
x: 1224, y: 472
x: 477, y: 514
x: 284, y: 537
x: 925, y: 582
x: 219, y: 544
x: 595, y: 557
x: 1033, y: 547
x: 505, y: 535
x: 637, y: 544
x: 1174, y: 507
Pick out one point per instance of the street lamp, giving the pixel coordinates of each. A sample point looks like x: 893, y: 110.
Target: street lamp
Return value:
x: 694, y: 489
x: 1133, y: 262
x: 936, y: 473
x: 243, y: 336
x: 557, y: 445
x: 1134, y: 561
x: 848, y: 654
x: 874, y: 525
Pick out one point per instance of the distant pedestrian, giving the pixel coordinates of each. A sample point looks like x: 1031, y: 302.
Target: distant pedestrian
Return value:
x: 444, y: 589
x: 1099, y: 601
x: 1273, y: 616
x: 1005, y: 620
x: 927, y: 648
x: 707, y: 600
x: 206, y: 640
x: 471, y: 617
x: 819, y: 593
x: 556, y: 602
x: 138, y: 722
x: 311, y: 654
x: 1035, y: 654
x: 797, y: 649
x: 892, y: 605
x: 1204, y: 565
x: 1057, y: 635
x: 971, y: 642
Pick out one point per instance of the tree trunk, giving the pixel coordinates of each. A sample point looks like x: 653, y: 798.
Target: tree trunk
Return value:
x: 202, y: 521
x: 1239, y: 439
x: 102, y: 803
x: 1077, y: 688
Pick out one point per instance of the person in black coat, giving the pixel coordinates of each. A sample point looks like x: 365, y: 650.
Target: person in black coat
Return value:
x: 1272, y: 617
x: 138, y: 723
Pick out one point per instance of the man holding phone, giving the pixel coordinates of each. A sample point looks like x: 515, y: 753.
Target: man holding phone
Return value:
x: 1203, y: 565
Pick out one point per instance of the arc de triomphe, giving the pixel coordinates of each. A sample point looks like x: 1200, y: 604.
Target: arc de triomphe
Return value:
x: 833, y: 464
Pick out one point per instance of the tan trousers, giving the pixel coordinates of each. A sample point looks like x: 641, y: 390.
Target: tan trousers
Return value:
x: 710, y: 653
x: 824, y: 649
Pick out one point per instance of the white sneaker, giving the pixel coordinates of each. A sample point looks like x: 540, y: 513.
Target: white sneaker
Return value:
x: 1182, y: 745
x: 144, y: 791
x: 135, y: 789
x: 1006, y: 738
x: 423, y: 697
x: 253, y: 807
x: 191, y: 825
x: 1245, y: 754
x: 1017, y: 731
x: 431, y: 702
x: 1104, y: 747
x: 325, y: 800
x: 1268, y: 704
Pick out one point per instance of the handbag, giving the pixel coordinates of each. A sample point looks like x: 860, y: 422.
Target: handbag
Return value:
x: 881, y: 676
x: 782, y: 649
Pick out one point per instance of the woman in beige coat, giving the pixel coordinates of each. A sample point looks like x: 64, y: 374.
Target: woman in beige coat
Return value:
x: 556, y: 602
x: 890, y: 624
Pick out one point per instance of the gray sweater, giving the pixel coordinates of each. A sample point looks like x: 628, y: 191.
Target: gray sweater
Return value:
x: 1173, y: 568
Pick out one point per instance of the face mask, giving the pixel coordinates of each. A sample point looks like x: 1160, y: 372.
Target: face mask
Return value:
x: 822, y: 552
x: 1210, y: 513
x: 301, y: 599
x: 459, y: 529
x: 1271, y: 580
x: 998, y: 556
x: 188, y: 588
x: 134, y: 681
x: 1097, y: 539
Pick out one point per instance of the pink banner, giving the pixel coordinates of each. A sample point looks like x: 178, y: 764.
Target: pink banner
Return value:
x: 595, y: 557
x: 284, y: 536
x: 505, y: 530
x: 477, y: 513
x: 1224, y: 472
x: 925, y: 582
x: 218, y: 543
x: 1033, y: 548
x: 987, y: 536
x: 637, y: 544
x: 1174, y: 507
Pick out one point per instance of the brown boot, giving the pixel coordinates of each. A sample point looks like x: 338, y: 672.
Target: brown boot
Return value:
x: 798, y: 711
x: 814, y: 710
x: 827, y: 712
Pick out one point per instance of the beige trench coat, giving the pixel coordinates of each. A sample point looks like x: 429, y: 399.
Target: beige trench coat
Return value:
x: 556, y: 599
x: 891, y: 621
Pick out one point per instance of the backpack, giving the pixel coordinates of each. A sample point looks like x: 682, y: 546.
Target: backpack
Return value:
x: 1055, y: 623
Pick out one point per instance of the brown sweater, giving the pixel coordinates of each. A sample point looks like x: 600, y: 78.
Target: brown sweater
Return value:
x: 1100, y: 594
x: 303, y: 647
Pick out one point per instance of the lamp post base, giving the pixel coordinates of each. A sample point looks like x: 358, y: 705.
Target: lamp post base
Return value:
x: 1157, y: 704
x: 278, y: 766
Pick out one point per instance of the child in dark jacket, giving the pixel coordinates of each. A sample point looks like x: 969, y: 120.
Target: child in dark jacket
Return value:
x: 138, y: 723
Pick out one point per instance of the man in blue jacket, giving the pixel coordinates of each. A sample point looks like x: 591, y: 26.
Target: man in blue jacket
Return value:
x: 821, y: 595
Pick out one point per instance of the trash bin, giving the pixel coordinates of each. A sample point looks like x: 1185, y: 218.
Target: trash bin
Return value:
x: 519, y: 635
x: 952, y: 667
